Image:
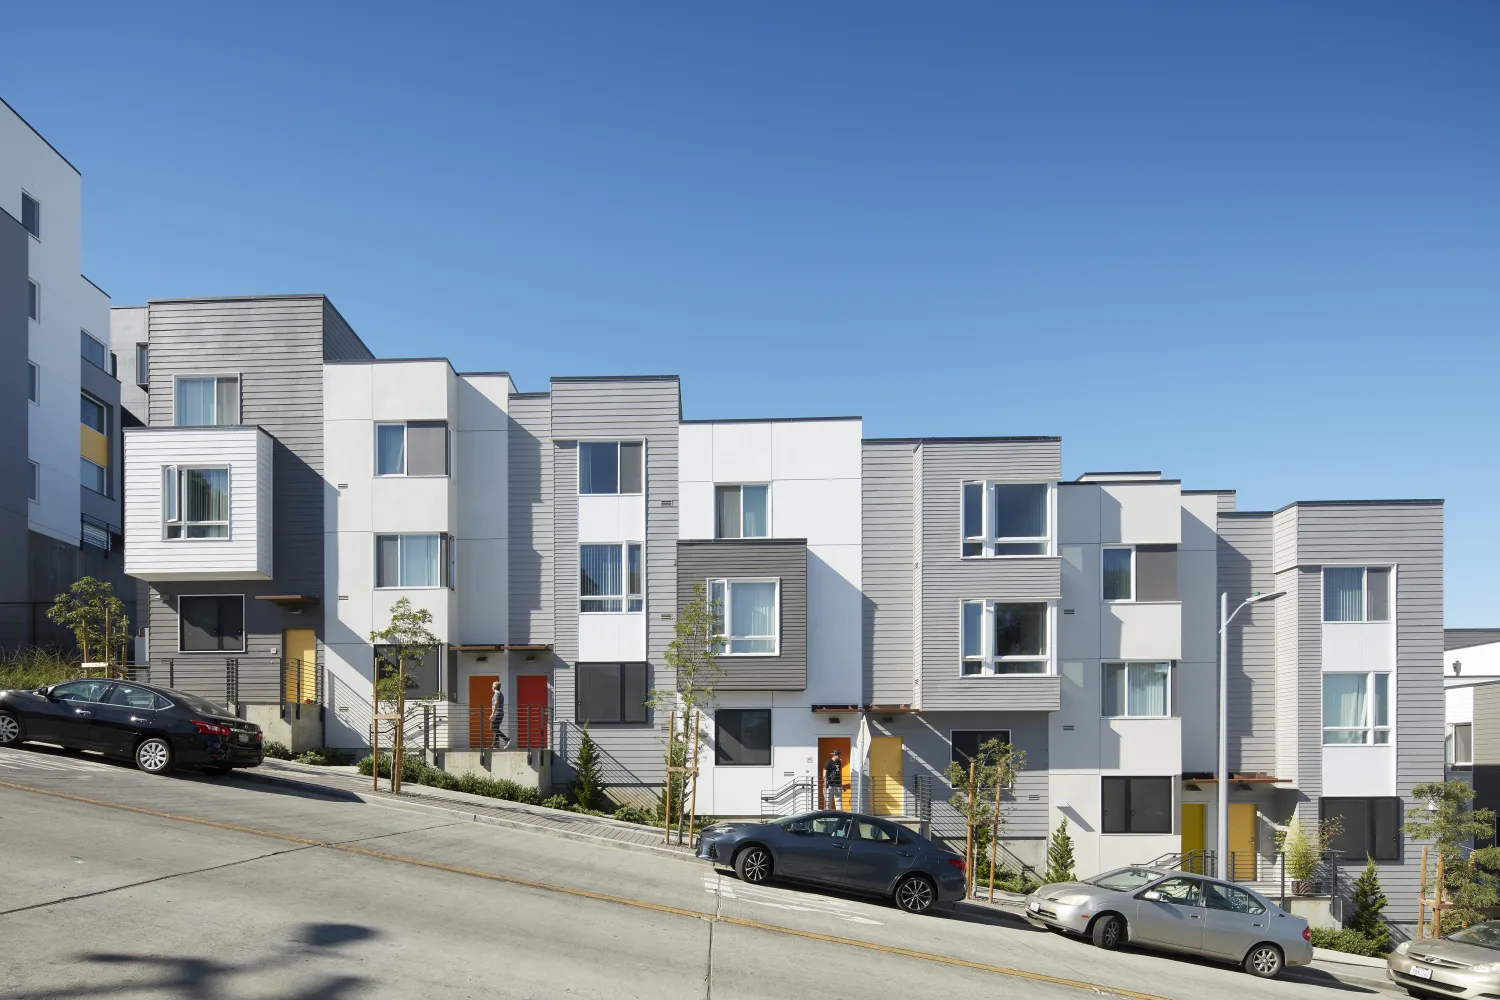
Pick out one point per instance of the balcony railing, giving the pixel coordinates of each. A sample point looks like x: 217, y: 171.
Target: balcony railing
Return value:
x: 446, y: 726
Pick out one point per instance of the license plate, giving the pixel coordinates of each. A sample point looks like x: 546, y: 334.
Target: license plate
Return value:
x: 1033, y: 906
x: 1420, y: 972
x: 244, y: 737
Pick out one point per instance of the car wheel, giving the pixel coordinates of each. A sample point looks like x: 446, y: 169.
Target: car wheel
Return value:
x: 753, y: 864
x: 10, y: 730
x: 1264, y: 961
x: 217, y: 772
x: 915, y: 894
x: 154, y: 755
x: 1108, y: 931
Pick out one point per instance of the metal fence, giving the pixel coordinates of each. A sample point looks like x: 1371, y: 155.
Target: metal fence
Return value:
x: 797, y: 795
x: 448, y: 726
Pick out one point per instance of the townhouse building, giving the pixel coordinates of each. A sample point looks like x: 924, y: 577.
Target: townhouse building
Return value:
x: 60, y: 415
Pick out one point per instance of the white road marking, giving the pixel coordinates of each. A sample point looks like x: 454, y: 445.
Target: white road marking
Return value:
x: 26, y: 760
x: 783, y: 899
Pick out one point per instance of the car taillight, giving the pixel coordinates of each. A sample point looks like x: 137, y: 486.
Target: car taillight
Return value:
x: 210, y: 728
x: 258, y: 735
x: 1306, y: 934
x: 958, y: 863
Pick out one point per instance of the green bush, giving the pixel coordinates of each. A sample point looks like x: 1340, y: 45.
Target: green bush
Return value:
x: 635, y: 814
x: 1369, y: 900
x: 555, y: 802
x: 26, y: 669
x: 280, y: 751
x: 1349, y: 941
x: 313, y: 757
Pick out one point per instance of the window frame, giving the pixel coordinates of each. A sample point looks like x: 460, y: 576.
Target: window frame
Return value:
x: 244, y: 625
x: 621, y: 681
x: 1370, y: 729
x: 180, y: 504
x: 988, y: 661
x: 34, y: 300
x: 446, y: 561
x: 406, y: 472
x: 1450, y: 744
x: 35, y: 233
x: 34, y: 383
x: 103, y: 476
x: 719, y: 760
x: 103, y: 412
x: 1128, y: 779
x: 143, y: 364
x: 631, y: 602
x: 954, y: 753
x: 740, y: 487
x: 1372, y: 838
x: 239, y: 398
x: 724, y: 638
x: 1364, y: 584
x: 1104, y: 665
x: 1117, y: 548
x: 103, y: 350
x: 992, y: 537
x: 619, y: 468
x: 33, y: 482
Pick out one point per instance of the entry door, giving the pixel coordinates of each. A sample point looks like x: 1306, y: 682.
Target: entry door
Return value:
x: 1194, y: 828
x: 300, y: 678
x: 531, y: 712
x: 885, y: 776
x: 481, y: 690
x: 826, y: 746
x: 1242, y: 841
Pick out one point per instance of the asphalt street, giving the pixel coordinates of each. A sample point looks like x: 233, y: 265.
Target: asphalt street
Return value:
x: 248, y: 887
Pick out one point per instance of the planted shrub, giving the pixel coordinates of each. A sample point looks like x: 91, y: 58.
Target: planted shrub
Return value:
x: 555, y: 802
x: 313, y: 757
x: 280, y: 751
x: 634, y: 814
x: 1346, y: 940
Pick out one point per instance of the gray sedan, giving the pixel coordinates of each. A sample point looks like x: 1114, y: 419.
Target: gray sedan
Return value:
x: 1176, y: 912
x: 1466, y: 963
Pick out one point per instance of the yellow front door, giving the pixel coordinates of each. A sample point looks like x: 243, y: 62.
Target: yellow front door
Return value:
x: 1242, y: 841
x: 299, y: 677
x: 885, y: 776
x: 1194, y: 829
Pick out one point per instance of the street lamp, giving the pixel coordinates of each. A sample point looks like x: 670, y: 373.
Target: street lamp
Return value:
x: 1221, y: 842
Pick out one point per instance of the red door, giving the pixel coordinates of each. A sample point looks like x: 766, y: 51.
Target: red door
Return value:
x: 531, y: 712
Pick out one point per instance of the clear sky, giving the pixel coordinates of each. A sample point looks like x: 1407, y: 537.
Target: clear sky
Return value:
x: 1253, y: 246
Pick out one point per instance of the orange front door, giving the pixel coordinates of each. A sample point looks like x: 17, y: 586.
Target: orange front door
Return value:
x: 531, y: 712
x: 826, y: 746
x: 481, y: 690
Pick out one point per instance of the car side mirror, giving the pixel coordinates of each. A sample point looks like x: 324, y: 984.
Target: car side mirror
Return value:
x: 45, y: 691
x: 1151, y: 895
x: 798, y: 828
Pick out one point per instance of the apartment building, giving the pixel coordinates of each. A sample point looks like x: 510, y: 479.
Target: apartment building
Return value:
x: 59, y: 398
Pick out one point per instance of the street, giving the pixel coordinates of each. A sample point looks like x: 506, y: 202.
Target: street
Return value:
x: 249, y: 887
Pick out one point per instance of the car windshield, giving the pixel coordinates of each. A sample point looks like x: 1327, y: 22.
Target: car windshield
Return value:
x: 1486, y: 935
x: 198, y: 704
x: 1124, y: 879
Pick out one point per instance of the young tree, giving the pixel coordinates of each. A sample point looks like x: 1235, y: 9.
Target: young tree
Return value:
x: 1443, y: 814
x: 996, y: 765
x: 1302, y: 851
x: 407, y: 639
x: 97, y: 619
x: 693, y: 656
x: 1060, y: 855
x: 588, y: 772
x: 1369, y: 900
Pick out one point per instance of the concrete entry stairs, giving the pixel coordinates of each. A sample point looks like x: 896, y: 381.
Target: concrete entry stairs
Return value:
x: 527, y: 768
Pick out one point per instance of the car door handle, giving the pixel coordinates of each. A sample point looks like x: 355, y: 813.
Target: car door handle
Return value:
x: 842, y: 847
x: 904, y: 854
x: 82, y: 711
x: 1196, y: 916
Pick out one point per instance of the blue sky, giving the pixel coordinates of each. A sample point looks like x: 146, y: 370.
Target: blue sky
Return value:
x: 1253, y: 246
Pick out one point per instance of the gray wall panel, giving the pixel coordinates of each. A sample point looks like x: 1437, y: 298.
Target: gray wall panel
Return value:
x: 1244, y: 560
x: 889, y: 559
x: 15, y: 414
x: 340, y: 342
x: 530, y: 446
x: 786, y: 559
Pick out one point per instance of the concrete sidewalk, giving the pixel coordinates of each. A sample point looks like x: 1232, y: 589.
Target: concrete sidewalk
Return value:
x: 483, y: 809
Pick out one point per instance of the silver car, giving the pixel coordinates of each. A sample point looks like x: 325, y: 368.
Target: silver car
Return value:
x: 1466, y: 963
x: 1174, y: 911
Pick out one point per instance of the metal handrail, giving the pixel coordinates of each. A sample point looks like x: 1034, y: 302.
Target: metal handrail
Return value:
x: 1197, y: 862
x: 795, y: 789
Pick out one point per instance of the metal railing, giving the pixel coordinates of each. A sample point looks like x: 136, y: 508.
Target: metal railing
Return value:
x: 447, y: 726
x: 301, y: 682
x: 793, y: 797
x: 1197, y: 862
x: 921, y: 789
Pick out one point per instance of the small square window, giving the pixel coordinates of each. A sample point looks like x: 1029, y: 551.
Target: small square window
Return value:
x: 31, y: 215
x: 742, y: 737
x: 209, y: 401
x: 211, y: 624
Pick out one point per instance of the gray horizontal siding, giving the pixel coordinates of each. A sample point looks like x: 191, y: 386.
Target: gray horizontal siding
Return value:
x: 1244, y: 560
x: 530, y: 462
x: 785, y: 559
x: 340, y: 342
x: 888, y: 565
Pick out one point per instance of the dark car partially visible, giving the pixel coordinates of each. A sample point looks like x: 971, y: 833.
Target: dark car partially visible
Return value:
x: 158, y: 728
x: 846, y: 851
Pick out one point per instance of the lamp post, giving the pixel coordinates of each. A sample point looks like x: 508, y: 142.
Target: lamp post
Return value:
x: 1221, y: 842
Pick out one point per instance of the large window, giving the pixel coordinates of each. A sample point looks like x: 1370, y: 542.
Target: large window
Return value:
x: 1458, y: 745
x: 1004, y: 519
x: 1004, y: 638
x: 742, y: 511
x: 1138, y: 573
x: 413, y: 448
x: 91, y: 414
x: 1137, y: 805
x: 1137, y: 690
x: 208, y: 401
x: 1356, y: 708
x: 195, y: 502
x: 1356, y: 594
x: 742, y: 737
x: 610, y: 467
x: 31, y: 215
x: 966, y: 743
x: 612, y: 692
x: 749, y: 616
x: 211, y: 624
x: 1368, y: 828
x: 416, y: 560
x: 610, y: 579
x: 92, y: 351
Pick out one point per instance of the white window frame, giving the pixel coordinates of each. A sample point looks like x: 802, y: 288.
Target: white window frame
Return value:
x: 181, y: 505
x: 390, y: 475
x: 143, y: 364
x: 991, y: 538
x: 102, y: 346
x: 724, y: 637
x: 405, y: 472
x: 578, y: 466
x: 1369, y: 729
x: 33, y: 482
x: 630, y: 603
x: 25, y: 197
x: 239, y: 397
x: 987, y: 660
x: 1117, y: 600
x: 1127, y: 664
x: 447, y: 561
x: 1364, y: 581
x: 770, y: 532
x: 1450, y: 742
x: 33, y: 283
x: 34, y: 380
x: 244, y: 626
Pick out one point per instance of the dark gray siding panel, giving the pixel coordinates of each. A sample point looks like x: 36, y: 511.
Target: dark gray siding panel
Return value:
x: 785, y: 559
x: 889, y: 560
x: 15, y: 250
x: 530, y: 446
x: 340, y: 342
x: 1244, y: 568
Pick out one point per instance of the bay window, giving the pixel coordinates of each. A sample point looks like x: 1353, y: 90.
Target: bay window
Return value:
x: 1004, y: 519
x: 195, y: 502
x: 747, y: 616
x: 999, y: 637
x: 610, y: 578
x: 1136, y: 690
x: 1356, y: 708
x: 1356, y: 594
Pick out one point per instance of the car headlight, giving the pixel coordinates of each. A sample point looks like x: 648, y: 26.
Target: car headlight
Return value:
x: 1402, y: 947
x: 1486, y: 967
x: 1072, y: 899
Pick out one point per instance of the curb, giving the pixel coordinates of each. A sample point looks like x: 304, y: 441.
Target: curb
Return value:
x: 1345, y: 958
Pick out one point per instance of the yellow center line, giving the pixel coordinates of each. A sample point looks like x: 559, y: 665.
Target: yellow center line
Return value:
x: 604, y: 897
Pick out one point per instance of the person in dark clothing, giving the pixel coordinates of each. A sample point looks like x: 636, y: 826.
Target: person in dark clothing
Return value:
x: 833, y: 782
x: 497, y: 718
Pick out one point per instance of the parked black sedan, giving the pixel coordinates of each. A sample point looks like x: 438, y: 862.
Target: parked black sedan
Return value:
x: 156, y: 727
x: 844, y: 851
